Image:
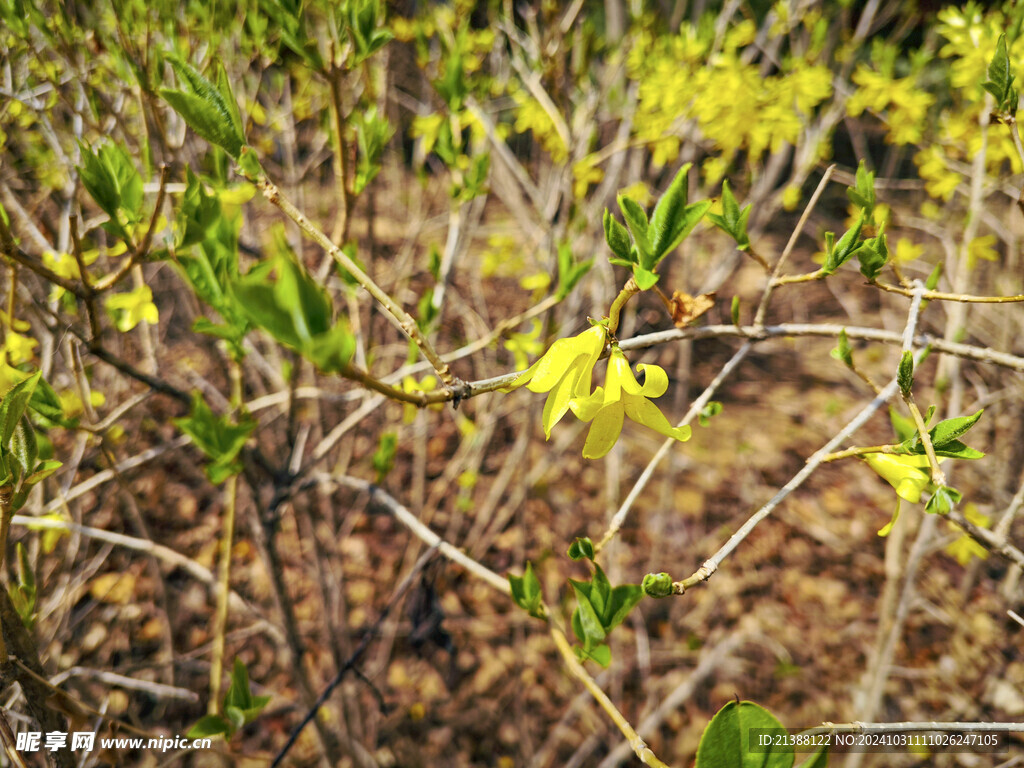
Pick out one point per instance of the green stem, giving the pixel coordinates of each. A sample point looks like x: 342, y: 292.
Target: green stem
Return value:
x: 220, y: 619
x: 938, y: 476
x: 629, y: 290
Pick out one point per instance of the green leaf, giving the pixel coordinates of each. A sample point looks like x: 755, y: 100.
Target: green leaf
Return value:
x: 43, y: 470
x: 295, y: 310
x: 113, y: 181
x: 13, y: 406
x: 581, y: 548
x: 954, y: 449
x: 384, y: 456
x: 636, y: 221
x: 843, y: 352
x: 943, y: 500
x: 209, y: 725
x: 216, y: 436
x: 569, y: 274
x: 1000, y: 79
x: 933, y: 278
x: 818, y: 760
x: 673, y: 219
x: 45, y: 402
x: 733, y: 221
x: 585, y: 621
x: 238, y: 693
x: 526, y: 592
x: 862, y: 194
x: 836, y: 256
x: 903, y: 426
x: 873, y: 255
x: 946, y: 431
x: 24, y: 448
x: 905, y: 374
x: 205, y: 108
x: 621, y: 602
x: 602, y: 654
x: 197, y: 213
x: 735, y: 311
x: 644, y: 278
x: 726, y: 741
x: 708, y: 412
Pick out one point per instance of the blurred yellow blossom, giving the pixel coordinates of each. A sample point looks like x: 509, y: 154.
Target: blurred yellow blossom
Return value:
x: 133, y: 308
x: 964, y: 547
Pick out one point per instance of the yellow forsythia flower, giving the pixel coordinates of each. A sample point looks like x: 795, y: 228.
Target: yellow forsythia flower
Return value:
x: 564, y: 372
x: 621, y: 396
x: 909, y: 475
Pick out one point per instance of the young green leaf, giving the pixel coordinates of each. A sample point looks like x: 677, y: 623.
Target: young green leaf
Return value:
x: 384, y: 456
x: 873, y: 255
x: 617, y: 237
x: 735, y: 310
x: 733, y: 221
x: 205, y: 108
x: 657, y: 584
x: 949, y: 430
x: 114, y: 183
x: 1000, y: 79
x: 905, y: 374
x: 636, y: 221
x: 602, y: 654
x: 644, y: 278
x: 862, y: 194
x: 585, y: 622
x: 581, y: 548
x: 943, y: 500
x: 843, y: 351
x: 217, y: 437
x: 13, y: 406
x: 668, y: 212
x: 569, y: 274
x: 708, y: 412
x: 903, y: 426
x: 526, y: 592
x: 837, y: 255
x: 208, y: 726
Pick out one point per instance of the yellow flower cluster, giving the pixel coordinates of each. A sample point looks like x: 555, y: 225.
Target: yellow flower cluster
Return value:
x: 565, y: 373
x: 679, y: 83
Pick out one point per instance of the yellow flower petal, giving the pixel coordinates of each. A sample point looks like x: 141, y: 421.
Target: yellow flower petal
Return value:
x: 604, y: 431
x: 904, y: 473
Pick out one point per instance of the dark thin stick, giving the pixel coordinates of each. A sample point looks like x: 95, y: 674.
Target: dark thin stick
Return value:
x: 350, y: 664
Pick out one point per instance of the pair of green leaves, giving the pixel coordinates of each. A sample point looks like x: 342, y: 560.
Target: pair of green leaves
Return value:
x: 732, y: 221
x: 207, y: 255
x: 109, y: 175
x: 20, y: 465
x: 280, y: 297
x: 643, y: 243
x: 210, y: 110
x: 569, y: 271
x: 364, y: 25
x: 731, y: 741
x: 240, y: 708
x: 945, y: 436
x: 218, y: 437
x: 600, y: 607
